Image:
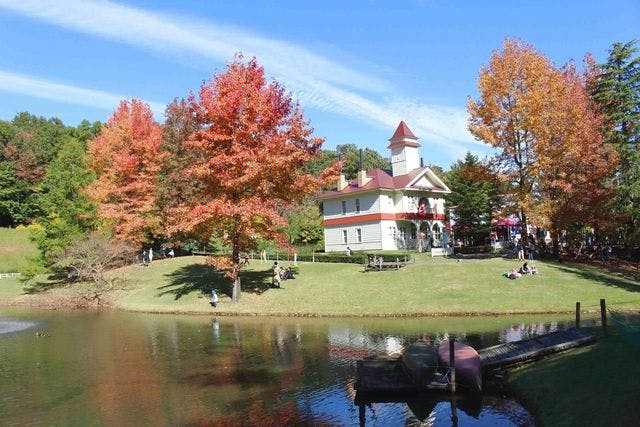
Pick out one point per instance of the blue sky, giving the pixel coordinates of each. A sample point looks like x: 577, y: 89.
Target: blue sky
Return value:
x: 356, y: 67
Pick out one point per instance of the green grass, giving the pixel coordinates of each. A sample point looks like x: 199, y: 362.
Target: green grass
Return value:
x: 595, y: 385
x: 15, y: 247
x: 428, y: 287
x: 431, y: 286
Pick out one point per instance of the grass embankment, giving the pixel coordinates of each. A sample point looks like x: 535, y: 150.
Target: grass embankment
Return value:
x: 431, y: 286
x: 595, y: 385
x: 15, y: 247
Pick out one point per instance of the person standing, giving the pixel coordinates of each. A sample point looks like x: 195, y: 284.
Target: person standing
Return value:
x: 530, y: 249
x: 150, y: 255
x: 277, y: 278
x: 520, y: 248
x: 214, y: 298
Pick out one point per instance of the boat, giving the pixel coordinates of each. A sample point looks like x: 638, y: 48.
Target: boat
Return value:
x: 420, y: 361
x: 467, y: 363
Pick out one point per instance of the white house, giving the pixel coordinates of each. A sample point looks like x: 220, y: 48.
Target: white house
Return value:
x: 398, y: 209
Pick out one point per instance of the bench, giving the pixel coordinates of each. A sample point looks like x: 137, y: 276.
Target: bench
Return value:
x: 377, y: 263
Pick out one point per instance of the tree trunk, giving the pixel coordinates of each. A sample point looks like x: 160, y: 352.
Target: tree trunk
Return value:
x: 235, y: 295
x: 524, y: 232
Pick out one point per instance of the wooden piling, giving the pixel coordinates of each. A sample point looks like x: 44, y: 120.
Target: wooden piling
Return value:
x: 452, y: 365
x: 577, y: 314
x: 603, y: 316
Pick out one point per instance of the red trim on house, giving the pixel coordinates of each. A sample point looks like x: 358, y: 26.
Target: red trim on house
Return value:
x: 354, y: 219
x: 418, y: 215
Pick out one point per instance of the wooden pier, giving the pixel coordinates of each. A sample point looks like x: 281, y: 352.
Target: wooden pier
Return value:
x: 386, y: 374
x: 510, y: 353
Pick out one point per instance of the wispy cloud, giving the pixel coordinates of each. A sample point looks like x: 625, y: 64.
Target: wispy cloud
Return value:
x: 316, y: 81
x: 40, y: 88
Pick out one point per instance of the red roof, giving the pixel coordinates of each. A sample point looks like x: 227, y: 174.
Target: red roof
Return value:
x: 379, y: 179
x: 403, y: 131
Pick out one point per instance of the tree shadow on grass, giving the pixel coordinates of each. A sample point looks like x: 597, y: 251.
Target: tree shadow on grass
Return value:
x: 54, y: 281
x: 203, y: 278
x: 598, y: 277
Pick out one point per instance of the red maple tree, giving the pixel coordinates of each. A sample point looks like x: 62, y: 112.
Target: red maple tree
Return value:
x: 254, y: 143
x: 126, y: 156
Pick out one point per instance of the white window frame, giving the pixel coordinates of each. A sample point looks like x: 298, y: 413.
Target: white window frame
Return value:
x: 357, y: 205
x: 344, y: 207
x: 359, y: 235
x: 345, y: 236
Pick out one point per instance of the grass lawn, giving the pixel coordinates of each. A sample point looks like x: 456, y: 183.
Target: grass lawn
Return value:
x: 435, y: 286
x: 15, y: 247
x: 429, y: 287
x: 595, y: 385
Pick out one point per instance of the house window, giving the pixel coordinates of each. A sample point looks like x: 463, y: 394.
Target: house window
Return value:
x: 359, y: 234
x: 437, y: 234
x: 357, y: 205
x: 344, y: 207
x: 344, y: 235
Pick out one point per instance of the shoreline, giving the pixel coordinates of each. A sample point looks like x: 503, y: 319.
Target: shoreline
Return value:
x: 312, y: 315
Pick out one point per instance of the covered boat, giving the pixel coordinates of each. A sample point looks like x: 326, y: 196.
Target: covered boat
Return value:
x: 467, y: 363
x: 420, y: 361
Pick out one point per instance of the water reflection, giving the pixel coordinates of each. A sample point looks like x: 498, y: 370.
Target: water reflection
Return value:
x: 134, y: 369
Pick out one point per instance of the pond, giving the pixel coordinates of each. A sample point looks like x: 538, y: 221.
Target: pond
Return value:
x: 114, y: 368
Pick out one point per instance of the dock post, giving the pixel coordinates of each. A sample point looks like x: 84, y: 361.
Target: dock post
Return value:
x: 452, y: 365
x: 362, y: 418
x: 577, y: 314
x: 603, y: 315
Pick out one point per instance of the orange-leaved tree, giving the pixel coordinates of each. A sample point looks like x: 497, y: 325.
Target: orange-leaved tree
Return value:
x: 254, y: 142
x: 126, y: 156
x: 547, y: 133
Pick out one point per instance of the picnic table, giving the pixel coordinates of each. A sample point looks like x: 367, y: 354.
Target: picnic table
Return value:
x: 377, y: 263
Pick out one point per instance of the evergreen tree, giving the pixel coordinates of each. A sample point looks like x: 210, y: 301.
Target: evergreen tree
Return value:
x: 473, y: 194
x: 615, y: 87
x: 66, y: 212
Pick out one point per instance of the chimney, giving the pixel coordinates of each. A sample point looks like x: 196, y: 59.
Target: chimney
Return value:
x: 342, y: 180
x: 363, y: 179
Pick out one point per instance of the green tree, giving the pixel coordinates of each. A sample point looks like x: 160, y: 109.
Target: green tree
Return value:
x: 66, y: 210
x: 615, y: 87
x: 305, y: 223
x: 27, y: 145
x: 474, y: 194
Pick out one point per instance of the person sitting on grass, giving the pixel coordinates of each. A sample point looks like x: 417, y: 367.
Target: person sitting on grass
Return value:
x: 524, y: 269
x: 513, y: 274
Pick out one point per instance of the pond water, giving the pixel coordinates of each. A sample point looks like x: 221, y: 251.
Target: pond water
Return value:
x: 109, y: 368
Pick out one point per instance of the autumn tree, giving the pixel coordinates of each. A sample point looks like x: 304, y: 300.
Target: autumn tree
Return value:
x: 126, y: 157
x: 547, y: 134
x: 175, y: 187
x: 615, y: 87
x: 254, y: 143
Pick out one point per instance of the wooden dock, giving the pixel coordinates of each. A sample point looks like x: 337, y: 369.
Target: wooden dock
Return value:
x: 510, y: 353
x: 386, y: 374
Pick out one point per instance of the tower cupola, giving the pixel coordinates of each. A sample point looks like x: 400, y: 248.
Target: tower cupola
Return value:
x: 404, y: 150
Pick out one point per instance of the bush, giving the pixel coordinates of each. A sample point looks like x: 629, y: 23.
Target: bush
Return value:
x: 483, y: 249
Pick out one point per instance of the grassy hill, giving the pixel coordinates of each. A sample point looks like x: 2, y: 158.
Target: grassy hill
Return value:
x: 15, y: 247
